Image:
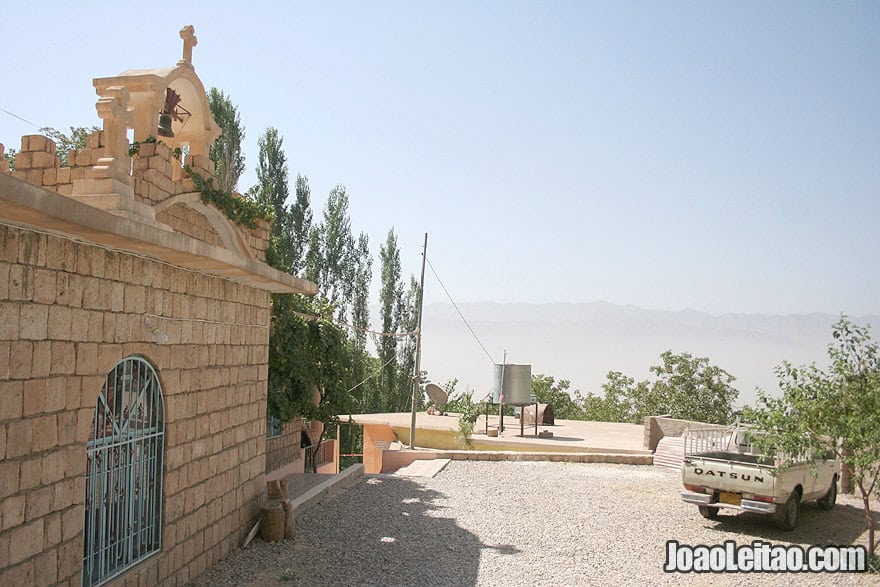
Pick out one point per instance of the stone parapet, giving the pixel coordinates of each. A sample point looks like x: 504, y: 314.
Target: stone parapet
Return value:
x: 129, y: 187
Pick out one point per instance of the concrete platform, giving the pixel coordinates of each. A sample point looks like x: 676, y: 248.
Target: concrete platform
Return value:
x: 569, y: 436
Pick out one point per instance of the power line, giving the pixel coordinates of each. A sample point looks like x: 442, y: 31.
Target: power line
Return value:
x: 19, y: 117
x: 454, y: 305
x: 371, y: 375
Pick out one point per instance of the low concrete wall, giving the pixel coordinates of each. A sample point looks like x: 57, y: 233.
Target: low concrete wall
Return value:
x: 319, y: 493
x: 553, y: 457
x: 396, y: 459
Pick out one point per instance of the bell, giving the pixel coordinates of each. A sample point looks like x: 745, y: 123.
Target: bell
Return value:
x: 165, y: 125
x: 169, y: 112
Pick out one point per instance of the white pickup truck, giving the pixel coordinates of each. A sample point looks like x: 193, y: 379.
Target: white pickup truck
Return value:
x: 721, y: 470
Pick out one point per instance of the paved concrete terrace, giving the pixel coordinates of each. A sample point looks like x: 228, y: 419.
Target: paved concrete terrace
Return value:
x: 568, y: 435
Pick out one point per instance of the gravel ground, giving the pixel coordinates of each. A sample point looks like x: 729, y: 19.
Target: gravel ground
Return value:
x: 521, y: 523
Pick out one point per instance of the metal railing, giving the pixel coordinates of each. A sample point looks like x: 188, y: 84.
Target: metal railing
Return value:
x: 322, y: 456
x: 698, y: 441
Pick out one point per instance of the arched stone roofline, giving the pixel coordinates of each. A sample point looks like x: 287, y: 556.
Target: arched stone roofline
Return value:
x: 228, y: 232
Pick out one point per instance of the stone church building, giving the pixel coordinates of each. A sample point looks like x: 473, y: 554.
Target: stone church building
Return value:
x: 134, y: 331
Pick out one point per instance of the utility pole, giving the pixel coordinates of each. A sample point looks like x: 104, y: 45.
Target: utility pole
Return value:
x: 417, y: 375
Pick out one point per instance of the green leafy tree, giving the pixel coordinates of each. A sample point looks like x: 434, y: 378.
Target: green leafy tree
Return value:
x: 226, y: 151
x: 407, y: 320
x: 833, y: 411
x: 360, y: 312
x: 684, y: 387
x: 272, y: 189
x: 313, y: 255
x: 692, y: 388
x: 363, y: 277
x: 308, y: 358
x: 301, y: 225
x: 390, y: 302
x: 623, y: 400
x: 556, y: 393
x: 468, y: 412
x: 338, y: 255
x: 64, y: 144
x: 9, y: 155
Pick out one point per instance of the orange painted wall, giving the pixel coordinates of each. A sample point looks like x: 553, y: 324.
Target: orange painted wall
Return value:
x: 374, y: 433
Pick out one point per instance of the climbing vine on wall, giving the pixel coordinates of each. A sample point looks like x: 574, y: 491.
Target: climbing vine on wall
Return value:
x: 240, y: 210
x: 135, y: 147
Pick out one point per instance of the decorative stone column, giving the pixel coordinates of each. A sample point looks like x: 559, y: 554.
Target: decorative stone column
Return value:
x: 108, y: 185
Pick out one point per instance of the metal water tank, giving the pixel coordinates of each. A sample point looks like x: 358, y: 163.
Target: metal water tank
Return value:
x: 517, y: 384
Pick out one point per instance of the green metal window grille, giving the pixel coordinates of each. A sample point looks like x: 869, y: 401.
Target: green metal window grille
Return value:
x: 123, y: 505
x: 274, y: 426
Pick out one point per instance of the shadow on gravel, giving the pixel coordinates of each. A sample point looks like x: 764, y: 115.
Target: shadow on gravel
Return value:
x: 384, y: 531
x: 842, y: 525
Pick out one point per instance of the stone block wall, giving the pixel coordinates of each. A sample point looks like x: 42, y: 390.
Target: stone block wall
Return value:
x: 38, y: 163
x: 156, y: 173
x: 257, y: 239
x: 68, y: 313
x: 190, y: 222
x: 283, y: 450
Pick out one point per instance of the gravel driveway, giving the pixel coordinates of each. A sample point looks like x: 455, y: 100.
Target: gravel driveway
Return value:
x: 520, y: 523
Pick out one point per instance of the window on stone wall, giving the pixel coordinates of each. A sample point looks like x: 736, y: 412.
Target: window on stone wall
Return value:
x: 274, y: 426
x: 123, y: 504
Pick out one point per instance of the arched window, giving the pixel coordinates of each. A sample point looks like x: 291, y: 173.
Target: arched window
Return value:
x: 123, y: 505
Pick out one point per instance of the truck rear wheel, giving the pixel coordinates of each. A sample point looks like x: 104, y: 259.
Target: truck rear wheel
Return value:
x: 827, y: 501
x: 708, y: 513
x: 790, y: 514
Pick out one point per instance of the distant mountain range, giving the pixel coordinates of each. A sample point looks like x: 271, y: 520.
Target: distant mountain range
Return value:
x: 582, y: 342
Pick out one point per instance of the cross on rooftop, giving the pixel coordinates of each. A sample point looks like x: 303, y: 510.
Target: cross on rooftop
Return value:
x: 188, y: 34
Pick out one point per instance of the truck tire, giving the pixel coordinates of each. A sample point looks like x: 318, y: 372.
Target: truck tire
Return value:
x: 790, y: 514
x: 827, y: 501
x: 708, y: 513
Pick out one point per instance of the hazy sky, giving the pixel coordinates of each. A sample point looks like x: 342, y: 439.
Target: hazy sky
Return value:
x: 717, y: 156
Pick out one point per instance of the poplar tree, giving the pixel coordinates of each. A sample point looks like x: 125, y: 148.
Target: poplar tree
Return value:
x: 313, y: 255
x: 335, y: 252
x: 301, y: 225
x: 407, y: 320
x: 360, y: 316
x: 363, y: 276
x: 226, y: 150
x: 390, y: 301
x: 272, y: 189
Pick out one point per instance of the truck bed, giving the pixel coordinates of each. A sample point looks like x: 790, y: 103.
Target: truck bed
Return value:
x: 734, y: 456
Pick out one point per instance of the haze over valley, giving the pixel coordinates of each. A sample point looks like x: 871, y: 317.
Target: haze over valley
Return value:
x: 582, y: 342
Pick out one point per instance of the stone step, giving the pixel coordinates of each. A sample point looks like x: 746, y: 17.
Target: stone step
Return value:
x: 423, y: 468
x: 670, y: 452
